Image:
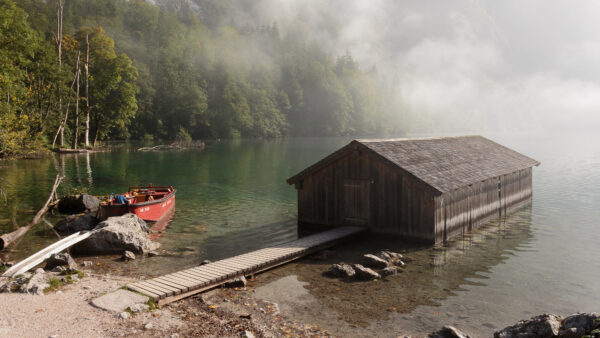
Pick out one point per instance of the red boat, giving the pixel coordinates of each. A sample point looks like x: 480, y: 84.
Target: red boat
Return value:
x: 150, y: 203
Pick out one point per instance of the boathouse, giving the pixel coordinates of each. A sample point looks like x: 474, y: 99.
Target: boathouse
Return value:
x: 424, y: 189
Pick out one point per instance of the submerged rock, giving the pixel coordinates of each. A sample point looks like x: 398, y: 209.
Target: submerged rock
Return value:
x: 373, y: 261
x: 60, y: 259
x: 127, y: 232
x: 365, y: 273
x: 545, y: 325
x: 128, y: 255
x: 390, y: 270
x: 74, y: 223
x: 341, y: 270
x: 78, y: 203
x: 448, y: 332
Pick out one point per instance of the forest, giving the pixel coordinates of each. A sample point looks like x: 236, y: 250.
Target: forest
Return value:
x: 76, y: 72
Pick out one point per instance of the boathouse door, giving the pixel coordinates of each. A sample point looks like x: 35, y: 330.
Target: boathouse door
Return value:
x: 356, y: 202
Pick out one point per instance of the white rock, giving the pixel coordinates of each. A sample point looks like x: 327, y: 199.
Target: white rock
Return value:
x: 148, y: 326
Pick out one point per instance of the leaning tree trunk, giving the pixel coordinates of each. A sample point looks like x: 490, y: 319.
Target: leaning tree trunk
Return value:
x: 12, y: 237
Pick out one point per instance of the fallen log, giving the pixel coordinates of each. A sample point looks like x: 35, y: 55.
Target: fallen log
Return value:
x: 10, y: 238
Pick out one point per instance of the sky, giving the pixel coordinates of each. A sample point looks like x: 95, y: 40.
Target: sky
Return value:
x: 467, y: 64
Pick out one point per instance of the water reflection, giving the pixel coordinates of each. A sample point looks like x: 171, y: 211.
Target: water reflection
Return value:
x: 433, y: 275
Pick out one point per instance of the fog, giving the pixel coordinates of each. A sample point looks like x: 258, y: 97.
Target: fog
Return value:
x: 464, y: 65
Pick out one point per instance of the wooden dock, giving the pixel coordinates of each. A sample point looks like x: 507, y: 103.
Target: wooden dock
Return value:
x: 178, y: 285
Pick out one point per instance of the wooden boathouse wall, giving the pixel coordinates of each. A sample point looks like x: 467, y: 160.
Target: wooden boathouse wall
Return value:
x: 359, y: 186
x: 467, y: 208
x: 360, y: 189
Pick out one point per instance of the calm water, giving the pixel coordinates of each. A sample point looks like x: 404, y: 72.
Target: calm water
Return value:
x: 232, y: 198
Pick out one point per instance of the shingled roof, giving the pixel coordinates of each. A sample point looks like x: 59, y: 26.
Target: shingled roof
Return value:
x: 445, y: 163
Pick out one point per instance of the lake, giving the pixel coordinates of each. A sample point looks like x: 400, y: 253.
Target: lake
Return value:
x: 232, y: 198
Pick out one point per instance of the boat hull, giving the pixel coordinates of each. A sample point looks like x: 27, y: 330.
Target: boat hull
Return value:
x: 148, y: 211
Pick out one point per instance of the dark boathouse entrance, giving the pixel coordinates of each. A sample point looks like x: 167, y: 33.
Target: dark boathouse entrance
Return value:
x: 424, y: 189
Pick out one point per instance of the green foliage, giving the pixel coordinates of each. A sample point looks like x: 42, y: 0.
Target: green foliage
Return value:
x: 55, y: 283
x: 21, y: 52
x: 154, y: 72
x: 152, y: 304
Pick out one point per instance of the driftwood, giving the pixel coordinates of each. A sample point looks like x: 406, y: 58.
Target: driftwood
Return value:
x: 175, y: 145
x: 12, y: 237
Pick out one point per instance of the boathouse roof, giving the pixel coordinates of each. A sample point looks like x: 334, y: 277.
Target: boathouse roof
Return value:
x: 445, y: 163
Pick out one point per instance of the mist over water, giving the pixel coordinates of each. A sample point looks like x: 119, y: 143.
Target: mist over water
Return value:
x: 465, y: 65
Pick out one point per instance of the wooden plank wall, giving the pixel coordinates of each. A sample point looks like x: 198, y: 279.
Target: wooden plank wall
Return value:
x: 396, y: 203
x: 464, y: 209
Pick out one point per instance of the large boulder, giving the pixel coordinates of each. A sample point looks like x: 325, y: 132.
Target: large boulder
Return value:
x: 545, y: 325
x: 116, y: 234
x: 341, y: 270
x: 75, y: 204
x: 74, y: 223
x: 60, y: 259
x: 448, y: 332
x: 365, y: 273
x: 375, y: 262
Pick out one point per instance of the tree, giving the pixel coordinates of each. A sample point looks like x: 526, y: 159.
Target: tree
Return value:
x: 20, y: 48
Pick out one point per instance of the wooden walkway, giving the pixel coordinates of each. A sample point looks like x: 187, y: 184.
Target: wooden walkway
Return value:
x: 178, y: 285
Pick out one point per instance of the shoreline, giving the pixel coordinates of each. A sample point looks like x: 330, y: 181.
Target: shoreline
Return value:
x: 273, y: 304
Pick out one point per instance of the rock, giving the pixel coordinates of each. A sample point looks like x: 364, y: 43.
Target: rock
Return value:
x: 390, y: 270
x: 1, y: 262
x: 59, y: 269
x: 39, y: 270
x: 583, y: 323
x: 118, y: 301
x: 152, y: 253
x: 373, y: 261
x: 399, y: 263
x: 74, y: 223
x: 140, y: 307
x: 204, y: 262
x: 60, y: 259
x: 36, y: 284
x: 239, y: 282
x: 174, y: 335
x: 392, y: 258
x: 148, y: 326
x: 127, y: 232
x: 569, y: 333
x: 341, y: 270
x: 124, y: 315
x: 384, y: 255
x: 364, y: 273
x: 78, y: 203
x: 545, y: 325
x: 448, y: 332
x: 87, y: 263
x: 247, y: 334
x: 128, y: 255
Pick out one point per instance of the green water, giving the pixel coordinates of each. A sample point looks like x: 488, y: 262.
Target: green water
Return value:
x: 232, y: 198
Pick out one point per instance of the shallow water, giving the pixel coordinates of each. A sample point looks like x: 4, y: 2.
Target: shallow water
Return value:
x: 232, y: 198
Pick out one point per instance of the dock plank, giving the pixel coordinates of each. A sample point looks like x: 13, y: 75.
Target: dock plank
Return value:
x: 187, y: 282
